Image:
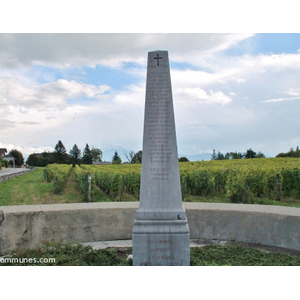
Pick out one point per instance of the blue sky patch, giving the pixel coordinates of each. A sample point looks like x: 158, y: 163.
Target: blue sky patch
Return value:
x: 267, y: 43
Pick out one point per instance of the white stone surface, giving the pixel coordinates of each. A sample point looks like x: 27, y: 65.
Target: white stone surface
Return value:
x: 160, y: 195
x: 160, y: 234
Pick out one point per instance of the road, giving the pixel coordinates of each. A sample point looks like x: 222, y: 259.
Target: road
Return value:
x: 10, y: 171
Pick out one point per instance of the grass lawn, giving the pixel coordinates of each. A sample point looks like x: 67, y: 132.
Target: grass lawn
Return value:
x: 32, y: 189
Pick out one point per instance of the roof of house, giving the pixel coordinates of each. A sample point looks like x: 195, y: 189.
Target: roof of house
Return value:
x: 3, y: 150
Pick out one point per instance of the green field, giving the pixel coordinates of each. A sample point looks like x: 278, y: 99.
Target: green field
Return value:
x: 251, y: 181
x: 32, y: 189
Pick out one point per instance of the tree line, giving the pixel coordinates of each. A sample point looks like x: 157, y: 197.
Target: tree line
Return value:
x: 92, y: 155
x: 76, y: 157
x: 60, y: 156
x: 291, y: 153
x: 236, y: 155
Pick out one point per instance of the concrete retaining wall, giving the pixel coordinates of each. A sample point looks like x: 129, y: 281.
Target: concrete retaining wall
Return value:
x: 28, y: 225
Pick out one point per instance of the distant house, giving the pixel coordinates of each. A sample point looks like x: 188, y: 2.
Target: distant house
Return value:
x: 10, y: 158
x: 2, y: 152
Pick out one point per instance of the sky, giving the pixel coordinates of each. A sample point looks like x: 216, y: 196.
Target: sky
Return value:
x: 231, y: 91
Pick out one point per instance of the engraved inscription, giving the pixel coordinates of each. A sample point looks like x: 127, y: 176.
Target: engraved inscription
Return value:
x: 160, y: 252
x: 159, y: 122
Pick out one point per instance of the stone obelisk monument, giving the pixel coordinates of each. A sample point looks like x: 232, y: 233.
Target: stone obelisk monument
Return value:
x: 160, y: 234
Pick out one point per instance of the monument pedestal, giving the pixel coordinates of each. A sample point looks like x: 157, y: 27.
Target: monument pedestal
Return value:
x: 161, y: 243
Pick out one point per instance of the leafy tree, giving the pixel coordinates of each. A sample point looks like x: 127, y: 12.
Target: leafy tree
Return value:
x: 97, y: 154
x: 116, y: 159
x: 48, y: 158
x: 237, y: 155
x: 75, y: 155
x: 260, y: 155
x: 87, y: 157
x: 137, y: 158
x: 32, y: 160
x: 60, y: 154
x: 183, y: 159
x: 220, y: 156
x: 214, y: 156
x: 291, y: 153
x: 44, y: 161
x: 129, y: 156
x: 4, y: 163
x: 18, y: 156
x: 233, y: 155
x: 134, y: 158
x: 250, y: 154
x: 40, y: 161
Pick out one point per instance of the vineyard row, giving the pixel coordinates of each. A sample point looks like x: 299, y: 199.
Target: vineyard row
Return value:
x: 237, y: 179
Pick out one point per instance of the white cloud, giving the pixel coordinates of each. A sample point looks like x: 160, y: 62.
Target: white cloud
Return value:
x: 291, y: 92
x: 201, y: 95
x: 190, y: 78
x: 75, y: 50
x: 281, y: 99
x: 76, y: 111
x: 238, y: 68
x: 118, y: 119
x: 131, y: 97
x: 52, y: 94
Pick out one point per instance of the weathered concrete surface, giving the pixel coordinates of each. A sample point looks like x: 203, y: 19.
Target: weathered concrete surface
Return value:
x: 262, y: 224
x: 28, y: 225
x: 10, y: 173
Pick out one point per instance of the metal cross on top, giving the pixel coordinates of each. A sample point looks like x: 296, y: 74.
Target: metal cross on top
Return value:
x: 158, y: 58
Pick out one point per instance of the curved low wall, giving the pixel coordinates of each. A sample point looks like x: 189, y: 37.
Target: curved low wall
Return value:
x: 28, y: 225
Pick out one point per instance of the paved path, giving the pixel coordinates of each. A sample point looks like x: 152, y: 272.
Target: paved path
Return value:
x: 196, y: 243
x: 10, y: 171
x: 128, y: 243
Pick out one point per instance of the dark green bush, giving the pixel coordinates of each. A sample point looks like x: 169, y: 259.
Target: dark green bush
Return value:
x: 68, y: 254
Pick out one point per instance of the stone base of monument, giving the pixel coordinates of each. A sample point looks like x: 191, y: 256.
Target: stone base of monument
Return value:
x: 161, y: 243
